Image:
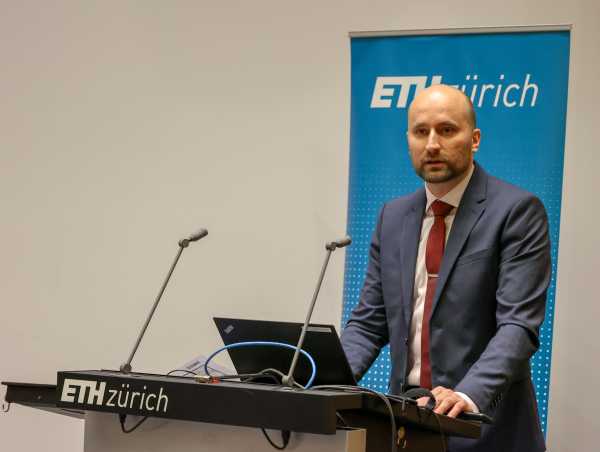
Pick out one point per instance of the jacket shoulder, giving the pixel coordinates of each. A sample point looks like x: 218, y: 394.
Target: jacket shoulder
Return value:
x: 411, y: 201
x: 498, y: 189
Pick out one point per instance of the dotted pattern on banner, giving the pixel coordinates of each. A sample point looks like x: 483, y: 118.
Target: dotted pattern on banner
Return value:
x: 521, y: 146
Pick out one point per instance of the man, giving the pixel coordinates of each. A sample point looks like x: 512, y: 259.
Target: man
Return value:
x: 456, y: 282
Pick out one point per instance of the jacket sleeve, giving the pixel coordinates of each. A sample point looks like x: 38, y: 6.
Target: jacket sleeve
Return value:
x: 523, y: 278
x: 366, y: 331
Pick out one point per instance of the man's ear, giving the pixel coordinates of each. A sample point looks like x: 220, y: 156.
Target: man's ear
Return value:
x: 476, y: 140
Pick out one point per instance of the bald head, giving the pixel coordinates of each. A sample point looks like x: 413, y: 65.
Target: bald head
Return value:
x: 442, y: 137
x: 446, y: 94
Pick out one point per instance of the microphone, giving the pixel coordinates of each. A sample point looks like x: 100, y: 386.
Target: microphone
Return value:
x: 341, y: 243
x: 288, y: 380
x: 183, y: 243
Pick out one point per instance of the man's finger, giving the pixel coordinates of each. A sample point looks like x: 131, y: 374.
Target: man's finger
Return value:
x: 450, y: 403
x: 437, y: 390
x: 422, y: 401
x: 442, y: 394
x: 458, y: 408
x: 445, y: 405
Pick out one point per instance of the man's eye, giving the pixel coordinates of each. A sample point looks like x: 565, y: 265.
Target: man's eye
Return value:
x: 447, y: 130
x: 421, y: 132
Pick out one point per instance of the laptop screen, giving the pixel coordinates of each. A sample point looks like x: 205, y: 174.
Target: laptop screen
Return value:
x: 321, y: 342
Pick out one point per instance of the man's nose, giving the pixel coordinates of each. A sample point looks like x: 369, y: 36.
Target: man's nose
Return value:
x: 433, y: 143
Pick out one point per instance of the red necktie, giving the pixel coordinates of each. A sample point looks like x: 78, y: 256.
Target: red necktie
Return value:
x: 433, y: 259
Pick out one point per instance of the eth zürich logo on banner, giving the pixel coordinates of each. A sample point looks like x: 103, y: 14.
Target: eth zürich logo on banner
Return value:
x: 93, y: 392
x: 394, y: 91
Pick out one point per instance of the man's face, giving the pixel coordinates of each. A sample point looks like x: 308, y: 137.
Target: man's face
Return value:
x: 441, y: 138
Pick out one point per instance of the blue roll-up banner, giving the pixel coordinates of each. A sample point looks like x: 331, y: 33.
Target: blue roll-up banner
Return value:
x: 518, y: 83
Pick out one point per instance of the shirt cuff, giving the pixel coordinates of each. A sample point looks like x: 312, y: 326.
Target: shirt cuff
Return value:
x: 466, y: 398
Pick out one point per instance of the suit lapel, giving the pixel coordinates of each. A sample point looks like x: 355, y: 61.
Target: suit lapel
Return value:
x: 409, y: 246
x: 470, y: 209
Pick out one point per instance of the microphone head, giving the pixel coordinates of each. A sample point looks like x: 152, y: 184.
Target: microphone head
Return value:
x: 193, y: 238
x: 198, y: 235
x: 341, y: 243
x: 344, y: 242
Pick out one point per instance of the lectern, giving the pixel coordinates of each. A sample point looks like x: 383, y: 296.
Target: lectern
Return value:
x: 184, y: 414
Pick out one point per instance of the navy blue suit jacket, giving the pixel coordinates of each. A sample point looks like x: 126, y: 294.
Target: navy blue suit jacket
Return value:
x: 487, y: 309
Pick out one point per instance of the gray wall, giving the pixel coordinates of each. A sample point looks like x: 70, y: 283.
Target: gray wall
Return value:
x: 126, y: 125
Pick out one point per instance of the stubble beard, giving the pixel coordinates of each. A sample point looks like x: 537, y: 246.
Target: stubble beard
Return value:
x: 445, y: 174
x: 442, y: 175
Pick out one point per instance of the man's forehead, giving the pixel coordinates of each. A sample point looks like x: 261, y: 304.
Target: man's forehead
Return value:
x: 440, y: 114
x: 438, y: 105
x: 440, y: 92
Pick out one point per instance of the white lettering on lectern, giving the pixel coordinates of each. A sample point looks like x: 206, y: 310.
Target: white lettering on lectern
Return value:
x: 92, y: 392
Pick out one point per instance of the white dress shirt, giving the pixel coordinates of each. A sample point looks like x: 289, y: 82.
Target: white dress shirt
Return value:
x: 453, y: 198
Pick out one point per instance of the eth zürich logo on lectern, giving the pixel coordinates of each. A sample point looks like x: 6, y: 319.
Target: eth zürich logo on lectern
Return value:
x: 92, y: 392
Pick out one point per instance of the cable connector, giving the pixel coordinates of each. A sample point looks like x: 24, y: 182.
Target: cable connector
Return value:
x: 206, y: 379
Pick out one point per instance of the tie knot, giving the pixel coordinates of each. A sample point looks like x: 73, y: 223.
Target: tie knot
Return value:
x: 440, y: 208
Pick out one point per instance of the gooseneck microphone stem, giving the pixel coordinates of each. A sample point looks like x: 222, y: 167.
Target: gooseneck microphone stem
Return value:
x: 183, y: 243
x: 288, y: 380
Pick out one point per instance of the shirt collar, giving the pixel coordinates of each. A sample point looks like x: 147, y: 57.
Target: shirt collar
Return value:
x: 454, y: 196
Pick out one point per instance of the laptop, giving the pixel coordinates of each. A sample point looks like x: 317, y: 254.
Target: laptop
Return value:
x: 321, y: 342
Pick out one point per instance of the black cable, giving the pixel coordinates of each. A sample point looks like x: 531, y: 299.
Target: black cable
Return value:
x: 220, y: 377
x: 416, y: 393
x: 342, y: 420
x: 285, y: 437
x: 186, y: 371
x: 401, y: 399
x: 124, y: 429
x: 430, y: 411
x: 442, y: 436
x: 123, y: 417
x: 280, y: 375
x: 383, y: 397
x: 285, y: 434
x: 247, y: 377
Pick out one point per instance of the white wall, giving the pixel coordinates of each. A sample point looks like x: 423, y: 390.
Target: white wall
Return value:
x: 126, y: 125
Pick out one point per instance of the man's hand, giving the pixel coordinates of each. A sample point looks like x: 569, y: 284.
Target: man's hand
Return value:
x: 447, y: 402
